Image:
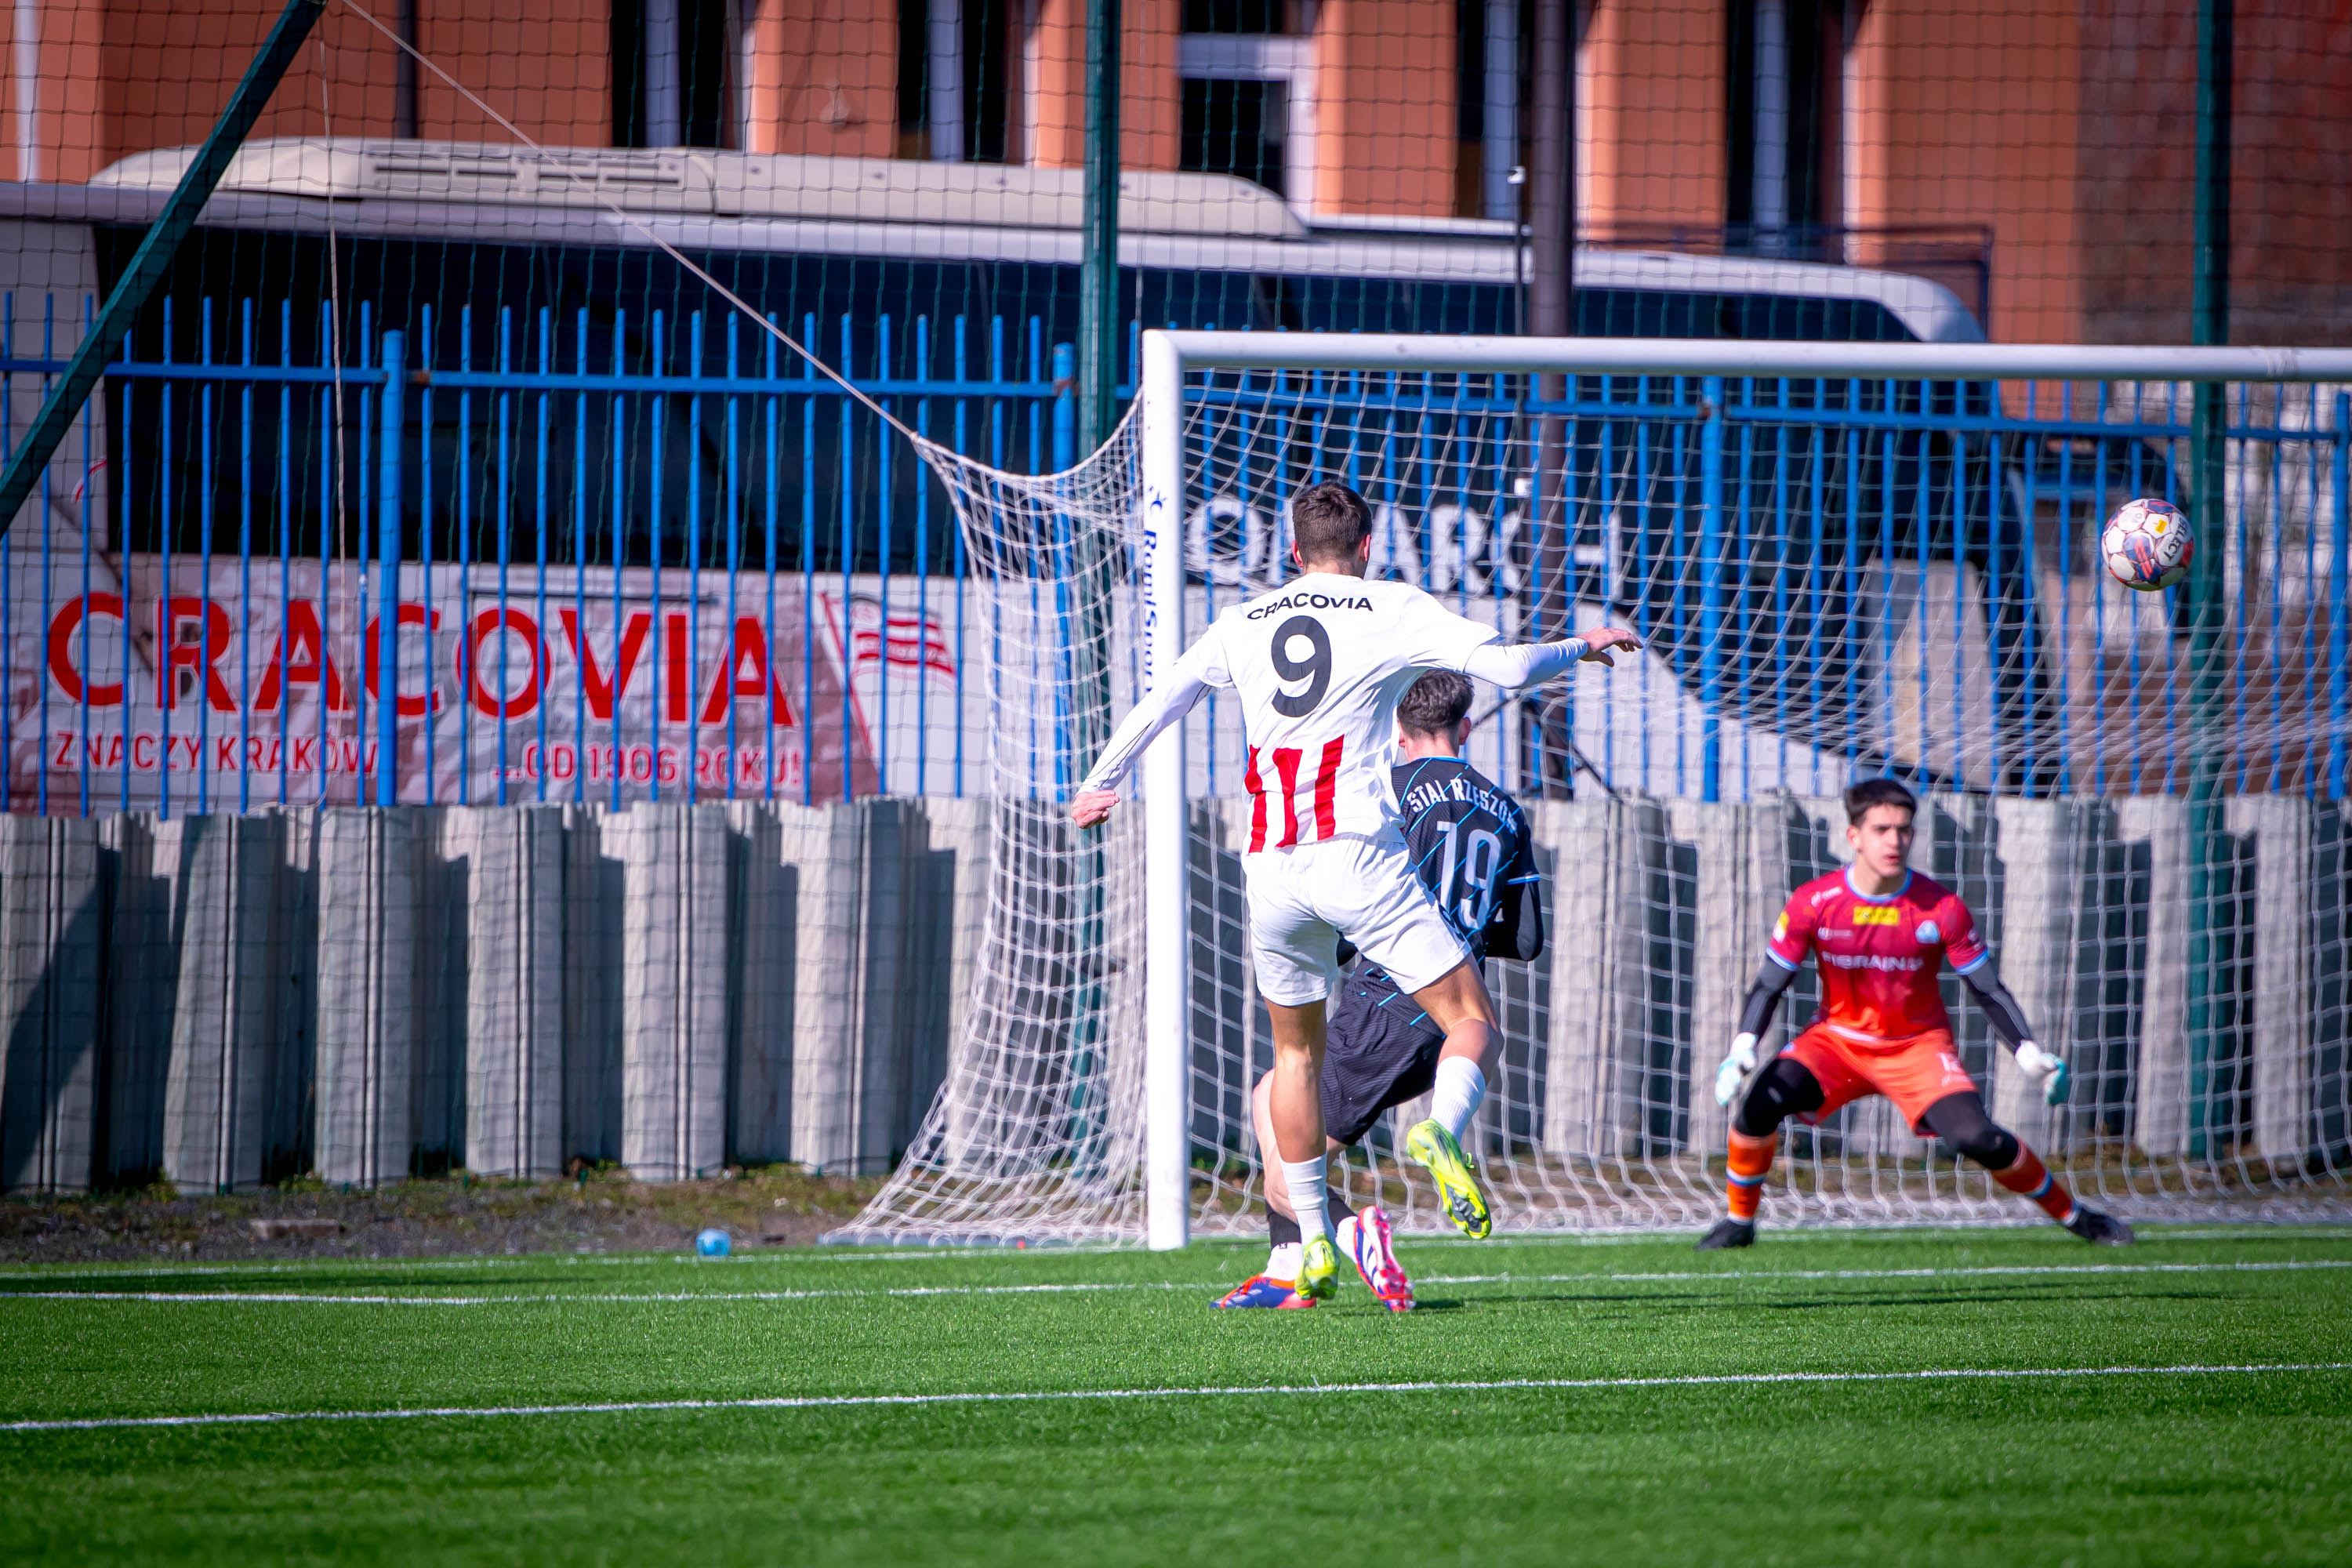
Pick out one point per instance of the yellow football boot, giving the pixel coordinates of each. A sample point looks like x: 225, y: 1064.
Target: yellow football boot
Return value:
x: 1318, y: 1271
x: 1431, y: 1147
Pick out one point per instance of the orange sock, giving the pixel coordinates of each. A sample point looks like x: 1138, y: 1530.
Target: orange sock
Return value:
x: 1748, y: 1160
x: 2030, y: 1178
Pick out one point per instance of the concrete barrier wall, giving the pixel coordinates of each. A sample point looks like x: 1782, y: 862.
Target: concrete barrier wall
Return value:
x: 225, y: 1001
x: 51, y: 915
x: 2086, y: 905
x: 514, y: 987
x: 372, y: 1071
x: 244, y: 897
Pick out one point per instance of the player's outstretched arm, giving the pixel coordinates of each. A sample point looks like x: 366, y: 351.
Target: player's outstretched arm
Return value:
x: 2008, y: 1020
x: 1200, y: 668
x: 1515, y: 665
x: 1755, y: 1016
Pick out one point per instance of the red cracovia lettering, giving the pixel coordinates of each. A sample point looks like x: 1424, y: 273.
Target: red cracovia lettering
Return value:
x: 63, y: 669
x: 674, y: 710
x: 301, y: 659
x: 601, y: 692
x: 214, y: 630
x: 747, y: 673
x: 407, y: 707
x: 504, y: 703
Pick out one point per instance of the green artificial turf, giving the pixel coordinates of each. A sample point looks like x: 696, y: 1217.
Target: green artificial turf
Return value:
x: 2167, y: 1466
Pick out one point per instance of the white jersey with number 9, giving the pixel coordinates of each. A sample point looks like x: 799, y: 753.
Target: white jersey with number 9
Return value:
x: 1320, y: 665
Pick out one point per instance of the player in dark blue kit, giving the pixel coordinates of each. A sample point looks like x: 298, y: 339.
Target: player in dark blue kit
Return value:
x: 1470, y: 847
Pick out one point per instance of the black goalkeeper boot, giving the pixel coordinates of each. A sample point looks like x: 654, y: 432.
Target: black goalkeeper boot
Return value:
x: 1730, y: 1233
x: 2100, y: 1229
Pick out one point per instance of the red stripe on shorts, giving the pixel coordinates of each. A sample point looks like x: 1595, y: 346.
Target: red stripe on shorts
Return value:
x: 1327, y: 790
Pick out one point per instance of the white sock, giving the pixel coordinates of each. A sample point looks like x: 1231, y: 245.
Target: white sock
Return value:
x: 1461, y: 1087
x: 1343, y: 1236
x: 1282, y: 1263
x: 1303, y: 1180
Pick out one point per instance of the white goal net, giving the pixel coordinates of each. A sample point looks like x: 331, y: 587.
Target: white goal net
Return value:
x: 1846, y: 561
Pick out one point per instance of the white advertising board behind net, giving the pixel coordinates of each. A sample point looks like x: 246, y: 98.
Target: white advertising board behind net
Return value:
x: 239, y: 689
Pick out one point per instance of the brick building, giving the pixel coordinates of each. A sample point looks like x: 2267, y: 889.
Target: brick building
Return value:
x: 2046, y: 150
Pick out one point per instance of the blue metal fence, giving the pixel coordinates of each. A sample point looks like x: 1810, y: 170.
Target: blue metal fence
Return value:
x: 556, y: 481
x: 1848, y: 576
x: 591, y: 558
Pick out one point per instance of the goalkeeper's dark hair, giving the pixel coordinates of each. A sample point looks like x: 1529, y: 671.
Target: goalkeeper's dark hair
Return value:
x: 1870, y: 793
x: 1435, y: 703
x: 1327, y: 521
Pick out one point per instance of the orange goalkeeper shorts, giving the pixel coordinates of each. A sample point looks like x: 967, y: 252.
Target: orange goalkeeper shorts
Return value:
x: 1914, y: 1073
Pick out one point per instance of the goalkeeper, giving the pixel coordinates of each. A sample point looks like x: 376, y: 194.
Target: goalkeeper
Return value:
x: 1878, y: 934
x: 1469, y: 846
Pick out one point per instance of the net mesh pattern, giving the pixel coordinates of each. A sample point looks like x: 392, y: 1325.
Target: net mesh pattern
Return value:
x: 1822, y: 598
x: 1037, y: 1131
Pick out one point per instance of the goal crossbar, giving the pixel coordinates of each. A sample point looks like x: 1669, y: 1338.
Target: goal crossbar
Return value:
x: 1680, y: 356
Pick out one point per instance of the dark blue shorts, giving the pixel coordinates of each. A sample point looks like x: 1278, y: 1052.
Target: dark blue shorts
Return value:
x: 1381, y: 1050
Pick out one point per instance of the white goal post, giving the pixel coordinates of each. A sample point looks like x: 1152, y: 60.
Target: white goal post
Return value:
x: 1845, y: 560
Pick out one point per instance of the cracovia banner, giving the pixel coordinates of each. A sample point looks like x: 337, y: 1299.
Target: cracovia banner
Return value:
x: 226, y: 685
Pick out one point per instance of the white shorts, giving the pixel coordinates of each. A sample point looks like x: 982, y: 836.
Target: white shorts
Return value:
x: 1303, y: 900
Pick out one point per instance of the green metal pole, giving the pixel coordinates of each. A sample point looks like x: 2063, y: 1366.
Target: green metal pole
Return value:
x: 2212, y: 882
x: 1099, y: 267
x: 1092, y: 565
x: 154, y: 257
x: 1097, y: 369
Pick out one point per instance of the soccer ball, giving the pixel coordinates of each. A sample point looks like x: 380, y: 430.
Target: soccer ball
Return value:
x: 2147, y: 544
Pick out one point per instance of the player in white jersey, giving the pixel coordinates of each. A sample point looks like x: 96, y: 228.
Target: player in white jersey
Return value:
x: 1320, y: 665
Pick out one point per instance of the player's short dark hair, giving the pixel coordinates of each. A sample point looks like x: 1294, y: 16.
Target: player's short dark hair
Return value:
x: 1327, y: 521
x: 1869, y: 793
x: 1435, y: 703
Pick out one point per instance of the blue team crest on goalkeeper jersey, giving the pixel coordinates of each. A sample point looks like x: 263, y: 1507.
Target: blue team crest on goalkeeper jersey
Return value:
x: 1928, y: 935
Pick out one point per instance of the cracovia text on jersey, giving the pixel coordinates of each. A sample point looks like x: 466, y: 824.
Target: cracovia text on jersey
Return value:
x: 1307, y: 602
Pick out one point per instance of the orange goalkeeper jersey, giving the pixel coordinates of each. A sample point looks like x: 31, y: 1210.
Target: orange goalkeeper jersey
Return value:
x: 1878, y: 956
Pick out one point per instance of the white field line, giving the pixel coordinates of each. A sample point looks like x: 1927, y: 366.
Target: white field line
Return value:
x: 840, y: 1401
x: 1765, y: 1276
x: 2284, y: 1230
x: 267, y: 1296
x: 749, y: 1259
x: 2150, y: 1231
x: 566, y: 1297
x: 1983, y: 1272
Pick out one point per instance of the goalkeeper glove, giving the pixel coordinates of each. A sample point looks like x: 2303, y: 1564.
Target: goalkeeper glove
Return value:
x: 1737, y: 1066
x: 2044, y: 1069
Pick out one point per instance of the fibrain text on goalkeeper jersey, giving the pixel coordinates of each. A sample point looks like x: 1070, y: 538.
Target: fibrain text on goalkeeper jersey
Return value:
x: 1320, y: 665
